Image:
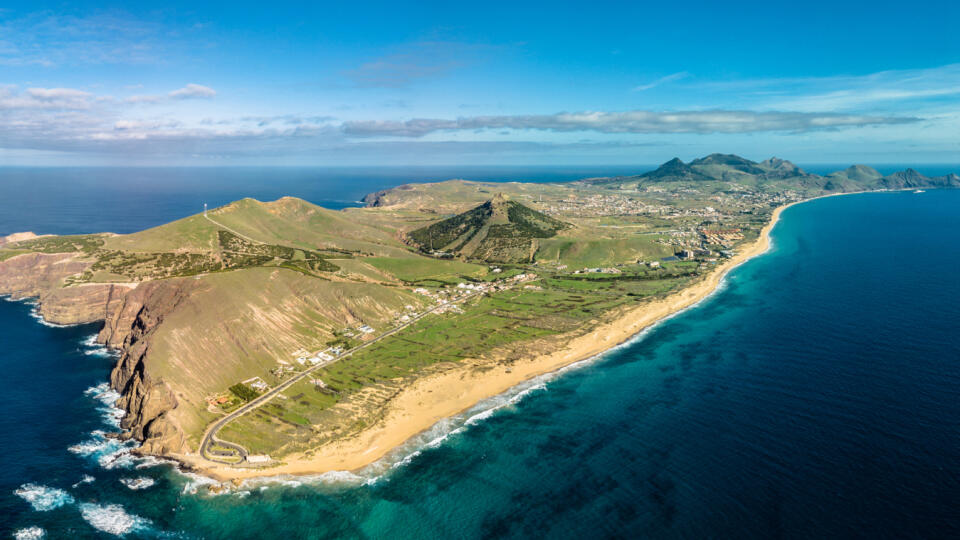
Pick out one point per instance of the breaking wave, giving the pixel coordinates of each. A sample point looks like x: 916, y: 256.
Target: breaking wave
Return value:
x: 112, y: 518
x: 92, y: 348
x: 29, y: 533
x: 108, y: 398
x: 43, y: 498
x: 35, y: 313
x: 141, y: 482
x: 106, y: 451
x: 87, y: 479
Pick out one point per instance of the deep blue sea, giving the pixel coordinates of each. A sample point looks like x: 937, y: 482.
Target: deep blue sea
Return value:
x: 815, y: 395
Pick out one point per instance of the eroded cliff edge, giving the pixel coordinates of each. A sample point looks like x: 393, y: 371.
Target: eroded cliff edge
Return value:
x: 130, y: 312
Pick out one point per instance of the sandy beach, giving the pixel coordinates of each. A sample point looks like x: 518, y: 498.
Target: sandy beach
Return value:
x: 443, y: 395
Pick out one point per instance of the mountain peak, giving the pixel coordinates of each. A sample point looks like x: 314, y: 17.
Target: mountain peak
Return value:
x: 781, y: 168
x: 675, y: 169
x: 714, y: 165
x: 722, y: 159
x: 907, y: 178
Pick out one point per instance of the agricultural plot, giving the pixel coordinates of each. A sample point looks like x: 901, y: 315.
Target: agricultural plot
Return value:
x: 419, y: 270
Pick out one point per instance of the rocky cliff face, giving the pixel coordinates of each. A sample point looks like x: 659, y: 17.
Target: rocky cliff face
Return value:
x: 81, y: 304
x: 41, y: 275
x: 145, y: 399
x: 130, y: 313
x: 31, y: 274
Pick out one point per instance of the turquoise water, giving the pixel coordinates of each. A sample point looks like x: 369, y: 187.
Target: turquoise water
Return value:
x: 814, y: 395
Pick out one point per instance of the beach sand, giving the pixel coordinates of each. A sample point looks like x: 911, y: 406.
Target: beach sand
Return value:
x: 443, y: 395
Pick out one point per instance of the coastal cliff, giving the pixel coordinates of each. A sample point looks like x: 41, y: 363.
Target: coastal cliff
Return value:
x: 145, y: 398
x: 31, y: 274
x: 129, y: 313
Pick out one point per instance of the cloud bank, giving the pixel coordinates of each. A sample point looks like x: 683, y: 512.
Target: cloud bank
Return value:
x: 187, y: 92
x: 698, y: 122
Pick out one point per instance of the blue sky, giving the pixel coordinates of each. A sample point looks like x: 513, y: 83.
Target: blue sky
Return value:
x: 351, y: 83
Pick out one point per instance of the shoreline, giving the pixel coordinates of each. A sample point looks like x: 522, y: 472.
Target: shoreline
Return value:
x: 440, y: 396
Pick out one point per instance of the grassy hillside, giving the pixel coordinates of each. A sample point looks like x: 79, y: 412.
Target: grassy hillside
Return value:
x: 419, y: 269
x: 237, y: 325
x: 287, y: 221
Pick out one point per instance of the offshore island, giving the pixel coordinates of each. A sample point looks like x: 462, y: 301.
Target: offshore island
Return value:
x: 268, y: 338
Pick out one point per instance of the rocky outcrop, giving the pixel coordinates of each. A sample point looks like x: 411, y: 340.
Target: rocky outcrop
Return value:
x: 82, y: 304
x: 41, y: 276
x: 147, y: 400
x: 376, y: 199
x: 31, y: 274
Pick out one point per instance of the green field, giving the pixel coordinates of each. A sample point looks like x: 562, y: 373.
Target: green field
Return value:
x: 418, y: 269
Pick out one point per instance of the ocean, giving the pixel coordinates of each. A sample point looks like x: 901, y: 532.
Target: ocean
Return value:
x: 815, y: 394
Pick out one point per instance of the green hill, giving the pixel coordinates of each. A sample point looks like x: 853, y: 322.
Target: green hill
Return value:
x: 498, y: 230
x: 286, y: 221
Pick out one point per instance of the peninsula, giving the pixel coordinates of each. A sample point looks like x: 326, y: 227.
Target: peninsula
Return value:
x: 266, y: 338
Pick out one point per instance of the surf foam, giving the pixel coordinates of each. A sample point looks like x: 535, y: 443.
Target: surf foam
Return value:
x: 29, y: 533
x: 141, y: 482
x: 112, y: 518
x: 92, y: 348
x: 87, y: 479
x: 43, y: 498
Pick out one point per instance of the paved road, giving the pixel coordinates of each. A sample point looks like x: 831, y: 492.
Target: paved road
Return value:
x: 210, y: 436
x: 222, y: 226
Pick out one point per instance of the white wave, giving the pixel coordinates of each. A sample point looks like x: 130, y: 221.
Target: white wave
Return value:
x: 112, y: 518
x: 108, y: 398
x: 87, y: 479
x: 30, y: 533
x: 286, y: 480
x: 93, y: 348
x: 39, y: 318
x: 144, y: 462
x: 43, y: 498
x: 195, y: 482
x: 108, y: 452
x: 141, y: 482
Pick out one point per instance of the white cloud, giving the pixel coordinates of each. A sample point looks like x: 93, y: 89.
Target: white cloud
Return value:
x: 189, y: 91
x: 44, y: 98
x: 193, y: 91
x: 699, y: 122
x: 146, y: 98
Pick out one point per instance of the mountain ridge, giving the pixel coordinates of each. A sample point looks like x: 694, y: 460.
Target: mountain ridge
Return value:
x: 733, y: 168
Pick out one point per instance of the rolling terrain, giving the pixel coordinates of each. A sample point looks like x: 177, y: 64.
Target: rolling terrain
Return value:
x: 213, y: 310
